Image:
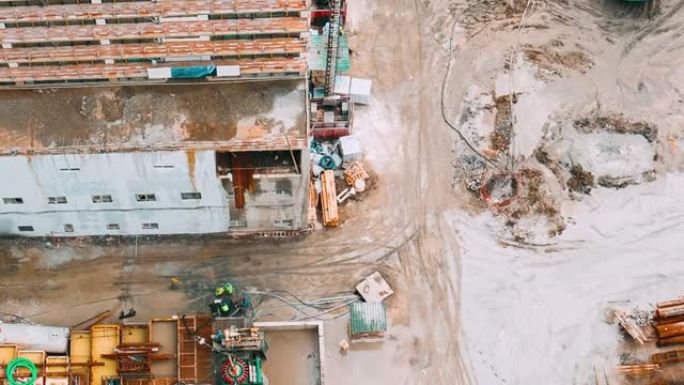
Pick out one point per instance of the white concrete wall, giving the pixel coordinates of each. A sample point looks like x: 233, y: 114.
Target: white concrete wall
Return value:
x: 122, y: 175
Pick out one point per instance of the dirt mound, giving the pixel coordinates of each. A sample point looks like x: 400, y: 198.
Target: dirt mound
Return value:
x: 500, y: 140
x: 555, y: 58
x: 491, y: 10
x: 618, y: 124
x: 581, y: 181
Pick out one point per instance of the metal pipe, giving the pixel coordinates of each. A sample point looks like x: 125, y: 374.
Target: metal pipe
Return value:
x: 670, y: 341
x: 670, y: 330
x: 671, y: 311
x: 670, y: 303
x: 666, y: 321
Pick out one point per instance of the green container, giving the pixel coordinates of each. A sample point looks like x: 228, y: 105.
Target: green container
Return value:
x: 368, y: 320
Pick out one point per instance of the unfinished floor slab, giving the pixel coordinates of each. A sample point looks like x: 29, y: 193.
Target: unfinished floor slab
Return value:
x: 296, y: 352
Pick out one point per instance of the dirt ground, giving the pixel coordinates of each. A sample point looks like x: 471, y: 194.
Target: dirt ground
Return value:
x: 482, y: 295
x: 394, y: 230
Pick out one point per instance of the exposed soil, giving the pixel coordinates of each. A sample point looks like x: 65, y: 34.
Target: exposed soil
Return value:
x: 501, y: 137
x: 617, y: 123
x: 580, y: 181
x: 555, y: 58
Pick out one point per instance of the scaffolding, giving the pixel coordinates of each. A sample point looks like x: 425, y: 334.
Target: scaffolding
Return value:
x: 72, y: 43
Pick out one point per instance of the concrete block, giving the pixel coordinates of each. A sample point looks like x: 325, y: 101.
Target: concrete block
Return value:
x: 159, y: 73
x: 226, y: 71
x: 350, y: 147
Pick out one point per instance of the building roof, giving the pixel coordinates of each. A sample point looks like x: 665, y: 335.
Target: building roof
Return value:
x: 241, y: 116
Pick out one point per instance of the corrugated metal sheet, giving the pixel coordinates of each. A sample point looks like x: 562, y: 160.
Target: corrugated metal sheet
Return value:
x: 367, y: 319
x: 318, y: 54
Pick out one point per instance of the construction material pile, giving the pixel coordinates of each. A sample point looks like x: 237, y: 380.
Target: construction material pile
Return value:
x: 668, y: 322
x: 646, y: 362
x: 338, y: 174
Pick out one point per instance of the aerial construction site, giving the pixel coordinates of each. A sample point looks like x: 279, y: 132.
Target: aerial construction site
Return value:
x: 329, y: 192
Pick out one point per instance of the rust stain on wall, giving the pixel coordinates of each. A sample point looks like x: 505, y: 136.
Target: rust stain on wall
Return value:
x: 192, y: 160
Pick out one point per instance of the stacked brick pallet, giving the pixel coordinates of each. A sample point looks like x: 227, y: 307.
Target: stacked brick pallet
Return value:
x: 121, y: 40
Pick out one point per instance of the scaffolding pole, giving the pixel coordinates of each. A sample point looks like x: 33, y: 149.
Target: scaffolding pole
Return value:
x: 333, y: 45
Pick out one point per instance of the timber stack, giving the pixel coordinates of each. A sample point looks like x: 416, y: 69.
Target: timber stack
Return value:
x: 668, y: 322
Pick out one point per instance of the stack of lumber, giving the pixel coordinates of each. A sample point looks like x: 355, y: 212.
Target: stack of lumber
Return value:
x: 668, y: 322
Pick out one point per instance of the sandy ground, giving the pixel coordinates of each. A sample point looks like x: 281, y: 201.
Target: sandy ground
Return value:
x: 392, y: 230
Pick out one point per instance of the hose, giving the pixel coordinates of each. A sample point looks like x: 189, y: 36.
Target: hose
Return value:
x: 21, y: 362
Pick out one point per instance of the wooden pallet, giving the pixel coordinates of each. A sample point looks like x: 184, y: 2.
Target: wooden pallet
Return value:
x: 331, y: 217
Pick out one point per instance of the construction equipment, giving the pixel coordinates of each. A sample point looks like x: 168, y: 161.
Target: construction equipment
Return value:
x: 239, y: 353
x: 333, y: 44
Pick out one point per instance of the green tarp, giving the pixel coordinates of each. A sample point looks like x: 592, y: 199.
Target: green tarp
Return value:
x: 193, y: 72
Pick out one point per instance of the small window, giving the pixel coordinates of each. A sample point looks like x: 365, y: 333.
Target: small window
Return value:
x: 145, y: 197
x: 13, y: 201
x: 102, y: 199
x: 191, y: 195
x: 57, y: 200
x: 25, y: 228
x: 70, y: 169
x: 68, y: 228
x: 150, y: 226
x: 113, y: 226
x: 283, y: 222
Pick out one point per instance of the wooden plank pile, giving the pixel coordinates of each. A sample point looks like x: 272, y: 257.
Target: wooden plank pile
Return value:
x: 631, y: 327
x: 668, y: 322
x: 331, y: 216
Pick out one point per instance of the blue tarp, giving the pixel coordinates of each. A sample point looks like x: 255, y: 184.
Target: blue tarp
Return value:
x: 193, y: 72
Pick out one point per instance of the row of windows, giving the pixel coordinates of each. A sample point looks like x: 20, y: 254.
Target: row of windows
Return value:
x: 104, y: 198
x: 69, y: 228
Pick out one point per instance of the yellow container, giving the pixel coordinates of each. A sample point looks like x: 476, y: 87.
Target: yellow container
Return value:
x: 134, y: 334
x: 104, y: 340
x: 8, y: 352
x: 79, y: 352
x: 38, y: 358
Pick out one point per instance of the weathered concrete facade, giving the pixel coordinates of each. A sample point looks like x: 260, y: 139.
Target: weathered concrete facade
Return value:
x: 154, y: 168
x: 165, y: 192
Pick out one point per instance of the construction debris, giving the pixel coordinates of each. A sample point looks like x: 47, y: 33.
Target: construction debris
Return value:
x: 668, y: 357
x: 356, y: 176
x: 374, y: 288
x: 638, y: 370
x: 631, y: 327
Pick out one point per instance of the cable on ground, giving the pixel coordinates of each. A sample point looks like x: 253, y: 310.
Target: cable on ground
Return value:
x: 443, y: 107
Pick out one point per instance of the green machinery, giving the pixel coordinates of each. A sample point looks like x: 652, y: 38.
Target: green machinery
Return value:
x: 238, y: 356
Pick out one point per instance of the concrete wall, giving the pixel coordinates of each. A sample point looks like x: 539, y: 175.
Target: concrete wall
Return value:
x: 168, y: 174
x: 279, y: 201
